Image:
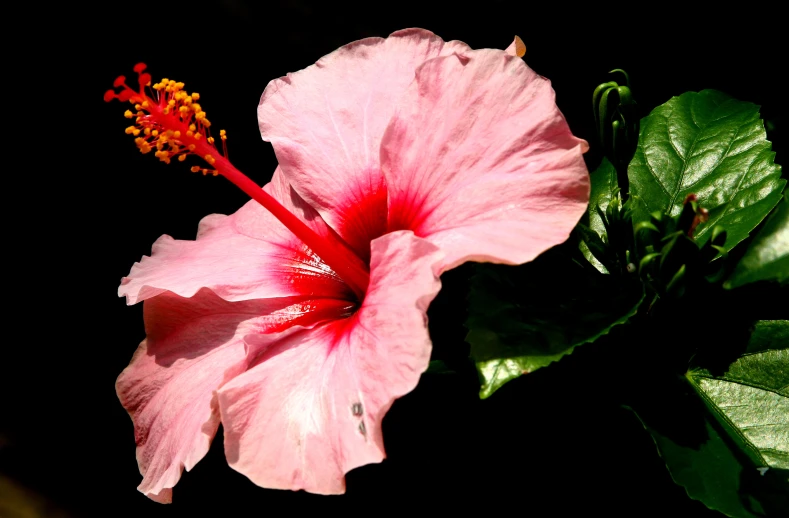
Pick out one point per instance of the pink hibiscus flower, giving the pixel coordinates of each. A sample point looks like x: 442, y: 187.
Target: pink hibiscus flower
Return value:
x: 298, y: 320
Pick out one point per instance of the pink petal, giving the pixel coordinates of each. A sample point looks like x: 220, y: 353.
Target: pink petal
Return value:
x: 479, y: 160
x: 193, y: 346
x: 168, y: 387
x: 310, y: 409
x: 247, y: 255
x: 326, y: 122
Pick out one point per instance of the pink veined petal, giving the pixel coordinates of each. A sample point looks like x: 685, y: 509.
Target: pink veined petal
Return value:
x: 310, y: 409
x: 479, y: 160
x: 247, y: 255
x: 326, y: 122
x: 193, y: 346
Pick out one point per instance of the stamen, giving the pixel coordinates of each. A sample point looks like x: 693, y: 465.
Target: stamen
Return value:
x: 172, y: 122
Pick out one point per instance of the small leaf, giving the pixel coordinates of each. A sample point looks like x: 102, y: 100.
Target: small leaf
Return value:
x: 603, y: 180
x: 767, y: 257
x: 726, y: 435
x: 522, y: 318
x: 714, y: 146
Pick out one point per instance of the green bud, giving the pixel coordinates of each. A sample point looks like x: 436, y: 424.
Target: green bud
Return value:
x: 676, y: 286
x: 647, y: 263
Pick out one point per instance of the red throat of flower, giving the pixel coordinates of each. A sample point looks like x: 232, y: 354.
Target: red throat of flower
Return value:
x: 171, y: 121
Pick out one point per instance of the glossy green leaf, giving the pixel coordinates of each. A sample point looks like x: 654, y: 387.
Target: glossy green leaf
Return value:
x: 522, y: 318
x: 603, y: 180
x: 767, y: 257
x: 714, y: 146
x: 729, y: 444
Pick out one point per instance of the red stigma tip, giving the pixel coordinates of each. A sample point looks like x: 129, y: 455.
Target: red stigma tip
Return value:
x: 119, y: 81
x: 125, y: 95
x: 144, y: 79
x: 109, y: 95
x: 139, y: 67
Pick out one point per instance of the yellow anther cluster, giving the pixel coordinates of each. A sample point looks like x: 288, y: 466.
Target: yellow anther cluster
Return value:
x: 172, y: 123
x: 180, y: 101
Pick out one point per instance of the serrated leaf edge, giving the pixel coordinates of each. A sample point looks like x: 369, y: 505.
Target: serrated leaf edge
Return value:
x: 571, y: 349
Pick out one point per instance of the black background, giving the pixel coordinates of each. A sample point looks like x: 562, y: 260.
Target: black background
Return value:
x: 82, y: 205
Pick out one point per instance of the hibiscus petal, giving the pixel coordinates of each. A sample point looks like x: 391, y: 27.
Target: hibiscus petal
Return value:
x: 326, y: 122
x: 193, y: 346
x: 479, y: 160
x: 310, y: 409
x: 247, y: 255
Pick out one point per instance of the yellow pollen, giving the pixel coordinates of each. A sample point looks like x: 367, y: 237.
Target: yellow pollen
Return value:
x: 172, y: 124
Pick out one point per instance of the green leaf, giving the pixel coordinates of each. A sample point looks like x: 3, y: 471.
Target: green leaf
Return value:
x: 603, y: 180
x: 729, y: 426
x: 767, y: 257
x: 522, y: 318
x: 714, y: 146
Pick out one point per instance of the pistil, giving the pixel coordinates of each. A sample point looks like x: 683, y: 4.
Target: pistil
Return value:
x: 176, y: 126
